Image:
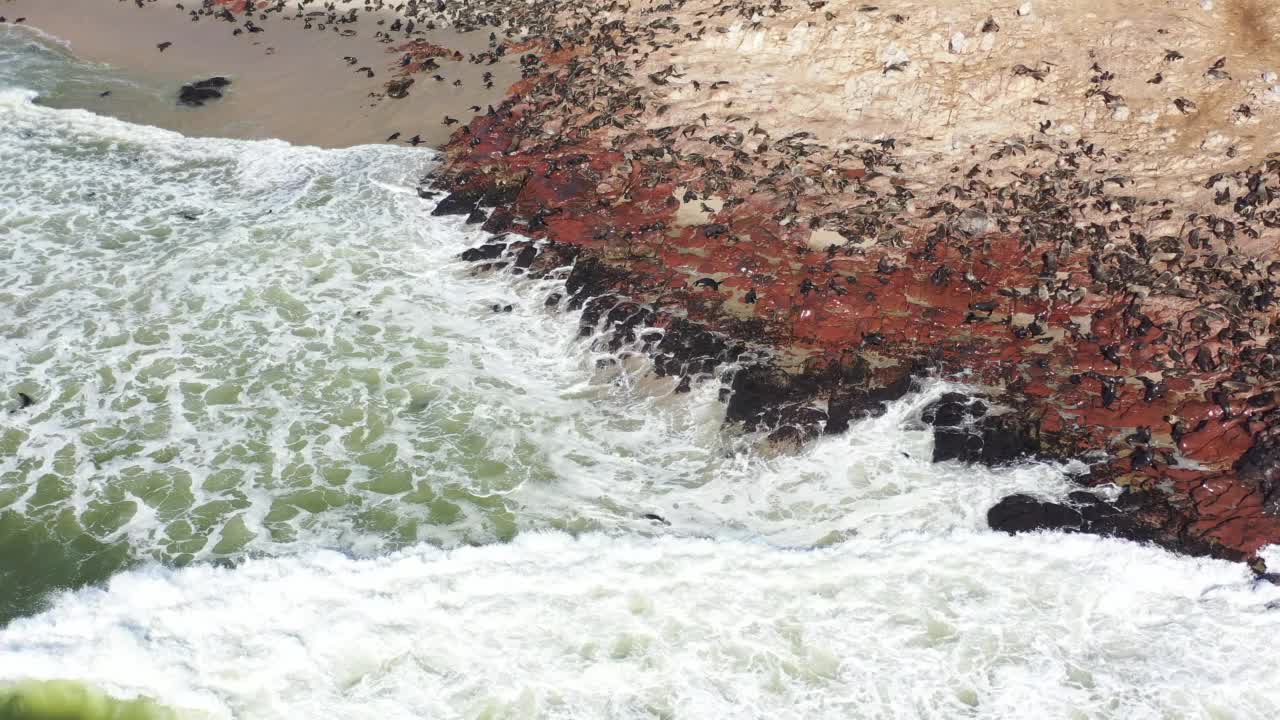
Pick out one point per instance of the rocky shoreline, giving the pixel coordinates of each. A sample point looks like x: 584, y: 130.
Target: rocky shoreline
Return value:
x: 1072, y: 211
x: 1095, y: 319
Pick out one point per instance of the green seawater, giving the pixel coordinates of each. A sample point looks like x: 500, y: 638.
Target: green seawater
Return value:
x: 212, y: 350
x: 66, y: 700
x: 267, y: 451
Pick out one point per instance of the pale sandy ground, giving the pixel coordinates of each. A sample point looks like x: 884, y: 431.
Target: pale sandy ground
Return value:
x: 288, y: 82
x: 955, y: 98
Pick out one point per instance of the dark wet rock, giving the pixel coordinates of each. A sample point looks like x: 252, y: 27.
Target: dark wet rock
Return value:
x: 500, y: 220
x: 1082, y: 512
x: 1023, y: 513
x: 1137, y: 515
x: 848, y: 409
x: 895, y: 390
x: 213, y: 82
x: 953, y: 409
x: 477, y: 216
x: 810, y: 420
x: 592, y: 311
x: 623, y: 321
x: 763, y: 396
x: 854, y: 398
x: 788, y: 435
x: 949, y: 414
x: 687, y: 348
x: 755, y: 392
x: 992, y: 440
x: 525, y: 258
x: 963, y: 430
x: 591, y: 278
x: 198, y: 93
x: 488, y: 251
x: 195, y: 97
x: 462, y: 202
x: 502, y: 194
x: 1259, y: 468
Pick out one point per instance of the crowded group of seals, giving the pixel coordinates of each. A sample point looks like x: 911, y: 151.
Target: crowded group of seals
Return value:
x: 1071, y: 210
x: 1115, y: 311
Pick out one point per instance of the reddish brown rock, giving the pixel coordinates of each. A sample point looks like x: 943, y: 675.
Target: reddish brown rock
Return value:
x: 1041, y: 284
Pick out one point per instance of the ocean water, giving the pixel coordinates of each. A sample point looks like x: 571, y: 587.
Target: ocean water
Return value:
x: 285, y: 460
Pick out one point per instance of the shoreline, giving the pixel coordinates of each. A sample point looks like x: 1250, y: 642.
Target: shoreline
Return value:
x: 1070, y: 212
x: 289, y: 79
x: 1116, y: 307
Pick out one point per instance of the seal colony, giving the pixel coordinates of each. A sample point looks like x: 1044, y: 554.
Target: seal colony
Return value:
x: 298, y: 76
x: 859, y: 194
x: 1070, y: 208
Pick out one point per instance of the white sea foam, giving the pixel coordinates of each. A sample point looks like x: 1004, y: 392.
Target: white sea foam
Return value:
x: 272, y: 346
x: 940, y: 625
x: 241, y: 347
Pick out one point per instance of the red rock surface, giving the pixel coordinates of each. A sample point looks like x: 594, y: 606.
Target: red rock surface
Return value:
x: 1089, y: 341
x: 239, y: 6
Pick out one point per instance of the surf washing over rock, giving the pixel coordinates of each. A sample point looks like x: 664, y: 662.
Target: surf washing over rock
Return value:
x: 312, y: 472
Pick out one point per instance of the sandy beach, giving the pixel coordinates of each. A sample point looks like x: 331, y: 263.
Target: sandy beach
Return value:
x: 288, y: 81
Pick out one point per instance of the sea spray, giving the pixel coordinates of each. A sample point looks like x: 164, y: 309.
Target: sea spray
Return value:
x: 263, y: 381
x: 253, y: 347
x: 919, y: 624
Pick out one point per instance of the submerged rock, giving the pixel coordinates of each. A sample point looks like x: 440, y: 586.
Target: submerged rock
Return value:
x: 488, y: 251
x: 195, y: 94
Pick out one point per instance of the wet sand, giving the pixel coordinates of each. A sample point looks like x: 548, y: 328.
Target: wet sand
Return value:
x: 288, y: 82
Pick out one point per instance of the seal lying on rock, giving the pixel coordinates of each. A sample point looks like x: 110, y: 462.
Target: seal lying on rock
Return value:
x: 196, y: 93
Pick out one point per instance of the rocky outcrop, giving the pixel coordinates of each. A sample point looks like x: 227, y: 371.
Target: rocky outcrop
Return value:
x: 1105, y: 306
x: 966, y: 430
x: 198, y: 93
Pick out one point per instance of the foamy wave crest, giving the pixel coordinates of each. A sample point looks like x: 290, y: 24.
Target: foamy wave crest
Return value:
x: 237, y: 348
x: 248, y: 345
x: 16, y: 98
x: 958, y: 625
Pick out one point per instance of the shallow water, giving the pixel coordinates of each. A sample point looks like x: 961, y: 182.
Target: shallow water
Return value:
x: 322, y: 477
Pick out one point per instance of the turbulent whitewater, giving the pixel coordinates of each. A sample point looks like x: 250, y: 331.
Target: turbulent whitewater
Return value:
x: 287, y: 457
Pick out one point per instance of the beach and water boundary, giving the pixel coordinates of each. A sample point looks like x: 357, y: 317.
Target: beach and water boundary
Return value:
x: 841, y: 529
